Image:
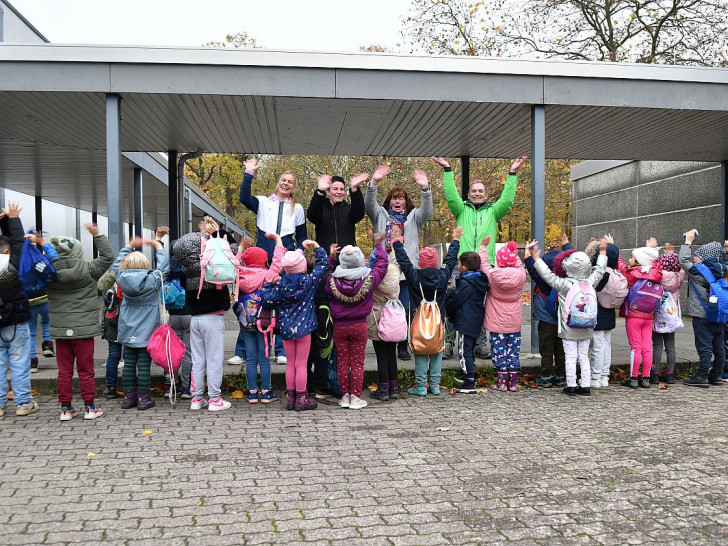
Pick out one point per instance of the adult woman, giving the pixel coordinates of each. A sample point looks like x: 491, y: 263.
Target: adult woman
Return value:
x: 278, y: 213
x: 398, y: 210
x: 334, y: 218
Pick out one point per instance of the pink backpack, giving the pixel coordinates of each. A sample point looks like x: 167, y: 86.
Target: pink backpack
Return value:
x: 580, y: 307
x: 392, y: 325
x: 218, y: 264
x: 615, y: 291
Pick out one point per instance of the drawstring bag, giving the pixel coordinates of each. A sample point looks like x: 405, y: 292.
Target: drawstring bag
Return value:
x: 392, y: 323
x: 427, y: 332
x: 268, y: 326
x: 166, y: 349
x: 34, y: 270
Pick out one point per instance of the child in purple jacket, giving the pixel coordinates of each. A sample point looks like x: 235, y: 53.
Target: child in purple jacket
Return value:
x: 351, y: 288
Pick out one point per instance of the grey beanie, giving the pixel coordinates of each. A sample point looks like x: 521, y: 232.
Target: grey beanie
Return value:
x: 710, y: 250
x: 351, y: 257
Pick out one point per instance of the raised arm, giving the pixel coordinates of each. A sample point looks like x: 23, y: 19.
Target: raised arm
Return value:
x: 379, y: 270
x: 505, y: 202
x: 424, y: 212
x: 246, y: 197
x: 402, y: 259
x: 356, y: 213
x: 451, y: 258
x: 100, y: 265
x: 371, y: 207
x: 454, y: 201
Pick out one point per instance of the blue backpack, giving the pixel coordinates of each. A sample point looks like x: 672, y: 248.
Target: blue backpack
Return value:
x: 174, y: 295
x: 716, y: 308
x: 247, y: 309
x: 35, y: 269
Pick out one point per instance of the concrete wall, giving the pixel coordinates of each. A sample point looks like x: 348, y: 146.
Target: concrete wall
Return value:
x: 638, y: 199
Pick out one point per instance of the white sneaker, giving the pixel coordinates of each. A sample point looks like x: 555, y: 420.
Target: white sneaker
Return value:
x: 2, y: 412
x: 345, y: 401
x: 357, y: 403
x: 235, y: 361
x: 604, y: 382
x: 27, y: 408
x: 595, y: 383
x: 92, y: 414
x: 282, y: 360
x: 197, y: 404
x: 67, y: 415
x: 218, y: 405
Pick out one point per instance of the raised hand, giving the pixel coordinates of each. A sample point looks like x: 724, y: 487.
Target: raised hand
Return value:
x: 457, y: 233
x: 161, y: 231
x: 603, y: 246
x: 535, y: 251
x: 334, y: 249
x: 651, y: 242
x: 486, y: 241
x: 518, y: 163
x: 441, y: 161
x: 211, y: 225
x: 324, y: 182
x: 13, y: 210
x: 247, y: 242
x: 273, y: 236
x: 33, y: 238
x: 93, y: 229
x: 153, y: 243
x: 135, y: 243
x: 251, y: 164
x: 421, y: 179
x: 380, y: 172
x: 357, y: 179
x: 308, y: 243
x: 690, y: 236
x: 608, y: 237
x: 378, y: 238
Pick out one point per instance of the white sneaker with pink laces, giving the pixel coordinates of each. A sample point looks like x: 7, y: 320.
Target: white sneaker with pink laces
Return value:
x: 197, y: 404
x: 218, y: 405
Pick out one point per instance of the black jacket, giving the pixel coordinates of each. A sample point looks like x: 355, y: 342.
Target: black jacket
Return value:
x: 335, y: 223
x: 466, y: 303
x: 606, y: 318
x: 15, y: 304
x: 431, y: 279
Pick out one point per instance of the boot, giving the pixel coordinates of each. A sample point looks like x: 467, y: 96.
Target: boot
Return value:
x: 304, y: 403
x: 502, y: 384
x: 402, y: 352
x: 394, y: 389
x: 145, y: 401
x: 290, y: 399
x: 513, y: 381
x: 654, y: 378
x: 382, y: 392
x: 697, y: 381
x: 130, y: 400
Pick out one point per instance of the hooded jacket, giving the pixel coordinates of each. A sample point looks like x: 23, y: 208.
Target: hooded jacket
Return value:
x: 11, y: 290
x: 431, y: 279
x: 251, y: 279
x: 478, y: 221
x: 634, y: 274
x: 577, y: 267
x: 503, y: 306
x: 294, y: 296
x: 387, y: 290
x: 606, y: 318
x: 694, y: 308
x: 466, y: 303
x: 542, y: 290
x: 345, y: 313
x: 139, y: 312
x: 186, y: 251
x: 335, y: 223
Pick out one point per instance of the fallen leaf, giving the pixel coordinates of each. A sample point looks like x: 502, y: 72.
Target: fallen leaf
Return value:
x: 443, y: 429
x: 33, y: 392
x: 236, y: 395
x: 662, y: 385
x: 453, y: 391
x: 373, y: 387
x: 89, y: 455
x: 481, y: 391
x: 482, y: 382
x: 148, y: 431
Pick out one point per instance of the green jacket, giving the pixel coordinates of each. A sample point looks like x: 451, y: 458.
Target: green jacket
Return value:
x: 479, y: 222
x: 73, y: 296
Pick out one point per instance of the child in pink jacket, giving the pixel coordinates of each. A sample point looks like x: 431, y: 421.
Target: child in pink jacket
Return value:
x: 503, y: 311
x: 672, y: 278
x: 251, y: 277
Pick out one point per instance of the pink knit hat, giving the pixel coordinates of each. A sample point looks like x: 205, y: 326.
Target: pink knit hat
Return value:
x: 294, y: 262
x: 428, y: 258
x: 507, y: 256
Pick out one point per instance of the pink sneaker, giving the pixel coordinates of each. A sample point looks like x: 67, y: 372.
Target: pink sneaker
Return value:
x: 218, y: 405
x: 197, y: 404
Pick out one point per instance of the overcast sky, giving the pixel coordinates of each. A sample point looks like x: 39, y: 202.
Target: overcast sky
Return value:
x: 319, y: 25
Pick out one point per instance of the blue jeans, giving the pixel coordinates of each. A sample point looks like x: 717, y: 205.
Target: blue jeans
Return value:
x: 15, y: 356
x: 45, y: 324
x: 255, y: 348
x: 279, y: 346
x: 709, y: 343
x: 240, y: 349
x: 112, y: 364
x: 422, y: 362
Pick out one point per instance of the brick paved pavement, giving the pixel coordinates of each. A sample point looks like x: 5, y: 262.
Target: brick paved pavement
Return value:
x: 530, y: 467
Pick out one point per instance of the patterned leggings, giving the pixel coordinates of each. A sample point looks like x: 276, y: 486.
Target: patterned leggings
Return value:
x: 505, y: 349
x: 136, y: 366
x: 351, y: 342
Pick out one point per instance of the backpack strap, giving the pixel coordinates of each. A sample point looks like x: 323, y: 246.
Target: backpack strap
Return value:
x: 697, y: 294
x: 203, y: 263
x: 705, y: 272
x: 423, y: 295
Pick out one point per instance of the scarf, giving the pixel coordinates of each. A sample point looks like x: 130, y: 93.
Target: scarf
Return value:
x: 395, y: 219
x: 354, y: 274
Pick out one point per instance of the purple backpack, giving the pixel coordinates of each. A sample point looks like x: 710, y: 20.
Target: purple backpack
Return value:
x: 645, y: 297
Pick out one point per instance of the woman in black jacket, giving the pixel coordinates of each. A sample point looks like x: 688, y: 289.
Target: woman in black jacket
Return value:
x: 334, y: 218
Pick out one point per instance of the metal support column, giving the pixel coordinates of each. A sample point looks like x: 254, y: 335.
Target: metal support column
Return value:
x: 188, y: 196
x: 138, y: 203
x: 95, y: 221
x: 538, y: 192
x: 464, y: 176
x: 724, y: 198
x: 78, y: 224
x: 113, y: 171
x: 38, y: 213
x: 173, y: 188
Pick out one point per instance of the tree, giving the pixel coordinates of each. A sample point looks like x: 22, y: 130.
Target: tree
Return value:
x: 238, y: 40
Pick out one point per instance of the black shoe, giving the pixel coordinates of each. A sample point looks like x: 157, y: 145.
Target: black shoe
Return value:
x: 583, y: 391
x: 468, y: 387
x: 697, y: 381
x: 110, y: 393
x: 570, y: 391
x: 460, y: 378
x: 654, y: 379
x: 482, y: 352
x: 668, y: 378
x: 715, y: 381
x: 631, y: 382
x: 644, y: 382
x: 403, y: 353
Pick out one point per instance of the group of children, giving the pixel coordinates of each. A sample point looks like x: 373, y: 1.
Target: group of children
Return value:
x: 300, y: 297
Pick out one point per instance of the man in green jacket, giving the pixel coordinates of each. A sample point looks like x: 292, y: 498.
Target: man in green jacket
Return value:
x: 478, y: 218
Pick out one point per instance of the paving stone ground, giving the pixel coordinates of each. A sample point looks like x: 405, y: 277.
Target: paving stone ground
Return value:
x: 533, y: 467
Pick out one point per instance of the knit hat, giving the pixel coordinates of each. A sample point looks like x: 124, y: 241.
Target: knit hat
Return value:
x: 645, y: 255
x: 669, y: 262
x: 255, y: 257
x: 351, y: 257
x: 507, y: 256
x: 710, y: 250
x: 428, y: 258
x: 294, y: 262
x: 591, y: 250
x: 67, y: 246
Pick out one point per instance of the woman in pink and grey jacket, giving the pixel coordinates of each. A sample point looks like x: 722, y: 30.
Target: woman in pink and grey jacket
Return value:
x: 503, y: 310
x: 673, y: 276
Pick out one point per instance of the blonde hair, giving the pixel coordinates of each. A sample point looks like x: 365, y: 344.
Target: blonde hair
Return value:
x: 295, y: 185
x: 134, y: 260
